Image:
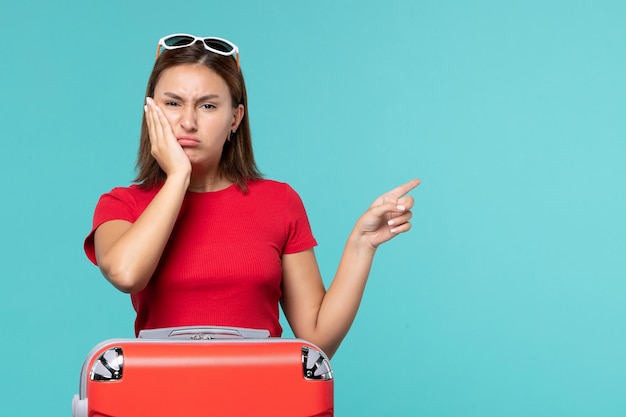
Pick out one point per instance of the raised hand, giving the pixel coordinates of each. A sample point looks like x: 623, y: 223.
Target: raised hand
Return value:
x: 165, y: 148
x: 388, y: 216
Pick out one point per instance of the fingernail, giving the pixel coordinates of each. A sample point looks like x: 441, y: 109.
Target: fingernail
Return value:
x: 145, y: 108
x: 393, y: 230
x: 401, y: 207
x: 391, y: 222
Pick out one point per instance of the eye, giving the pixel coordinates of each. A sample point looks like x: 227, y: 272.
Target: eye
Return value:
x: 207, y: 106
x: 171, y: 103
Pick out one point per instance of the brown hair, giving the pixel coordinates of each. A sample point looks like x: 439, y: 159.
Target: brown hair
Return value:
x: 237, y: 162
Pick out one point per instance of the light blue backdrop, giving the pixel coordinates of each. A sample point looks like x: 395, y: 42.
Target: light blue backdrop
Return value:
x: 508, y: 298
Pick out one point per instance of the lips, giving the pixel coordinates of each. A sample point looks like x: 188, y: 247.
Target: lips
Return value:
x: 187, y: 141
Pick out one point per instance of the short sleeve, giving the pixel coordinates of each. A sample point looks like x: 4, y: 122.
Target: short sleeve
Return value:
x: 299, y: 234
x: 118, y: 204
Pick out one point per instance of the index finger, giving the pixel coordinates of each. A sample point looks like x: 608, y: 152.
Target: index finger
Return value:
x: 404, y: 188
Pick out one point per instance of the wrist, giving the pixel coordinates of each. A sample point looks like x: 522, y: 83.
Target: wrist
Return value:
x: 359, y: 242
x: 180, y: 179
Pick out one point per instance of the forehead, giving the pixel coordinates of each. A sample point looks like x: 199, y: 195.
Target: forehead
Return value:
x: 191, y: 80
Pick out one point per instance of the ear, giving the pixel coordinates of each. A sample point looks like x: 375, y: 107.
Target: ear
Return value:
x: 238, y: 113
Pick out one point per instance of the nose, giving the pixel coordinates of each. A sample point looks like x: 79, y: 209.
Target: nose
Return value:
x: 188, y: 120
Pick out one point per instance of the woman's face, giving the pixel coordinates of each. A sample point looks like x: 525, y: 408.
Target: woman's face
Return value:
x: 198, y: 105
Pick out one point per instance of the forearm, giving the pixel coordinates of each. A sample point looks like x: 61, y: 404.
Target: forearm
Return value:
x: 343, y: 298
x: 131, y: 259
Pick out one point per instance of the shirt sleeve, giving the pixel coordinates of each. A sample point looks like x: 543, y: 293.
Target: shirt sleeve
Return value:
x: 117, y: 204
x: 299, y: 234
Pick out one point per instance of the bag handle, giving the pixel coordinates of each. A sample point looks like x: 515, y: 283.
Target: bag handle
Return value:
x: 203, y: 333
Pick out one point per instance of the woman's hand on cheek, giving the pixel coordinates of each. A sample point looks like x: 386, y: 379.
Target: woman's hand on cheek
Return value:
x: 165, y: 148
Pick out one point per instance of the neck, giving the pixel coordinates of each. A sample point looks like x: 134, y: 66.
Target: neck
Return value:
x: 208, y: 184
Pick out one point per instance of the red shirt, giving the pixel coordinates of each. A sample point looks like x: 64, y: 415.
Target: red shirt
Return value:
x: 222, y: 263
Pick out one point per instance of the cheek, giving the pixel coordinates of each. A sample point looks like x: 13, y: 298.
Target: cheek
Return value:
x: 216, y: 123
x: 171, y: 116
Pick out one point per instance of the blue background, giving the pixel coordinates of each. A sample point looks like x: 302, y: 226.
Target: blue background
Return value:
x: 508, y: 297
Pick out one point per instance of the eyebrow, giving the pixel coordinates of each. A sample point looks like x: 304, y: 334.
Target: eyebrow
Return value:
x: 203, y: 98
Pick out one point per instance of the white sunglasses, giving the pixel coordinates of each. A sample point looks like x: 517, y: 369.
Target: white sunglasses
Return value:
x: 216, y: 45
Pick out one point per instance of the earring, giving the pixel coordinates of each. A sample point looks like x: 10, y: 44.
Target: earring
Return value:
x: 232, y: 136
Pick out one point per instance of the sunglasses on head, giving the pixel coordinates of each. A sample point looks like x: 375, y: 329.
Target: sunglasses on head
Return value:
x: 216, y: 45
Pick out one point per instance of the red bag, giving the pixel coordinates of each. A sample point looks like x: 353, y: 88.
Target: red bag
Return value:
x: 205, y: 371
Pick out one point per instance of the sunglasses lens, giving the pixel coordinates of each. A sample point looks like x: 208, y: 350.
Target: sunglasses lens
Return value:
x: 178, y: 41
x: 218, y: 45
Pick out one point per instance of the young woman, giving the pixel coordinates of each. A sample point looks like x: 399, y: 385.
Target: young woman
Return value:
x: 201, y: 238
